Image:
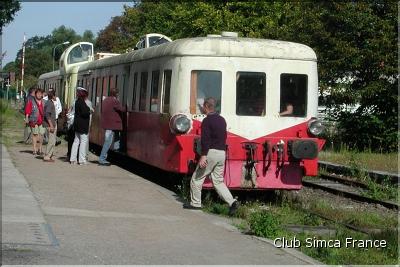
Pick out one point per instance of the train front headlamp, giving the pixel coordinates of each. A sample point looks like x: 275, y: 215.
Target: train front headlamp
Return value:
x: 180, y: 123
x: 315, y: 127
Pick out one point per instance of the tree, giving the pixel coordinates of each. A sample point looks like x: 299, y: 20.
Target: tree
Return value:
x: 7, y: 11
x: 114, y: 38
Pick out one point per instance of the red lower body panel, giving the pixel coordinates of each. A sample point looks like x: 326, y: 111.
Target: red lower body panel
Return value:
x: 148, y: 139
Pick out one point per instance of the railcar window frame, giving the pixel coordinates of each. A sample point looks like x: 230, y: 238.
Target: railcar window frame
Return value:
x: 250, y: 102
x: 103, y: 88
x: 207, y: 90
x: 109, y: 85
x: 93, y: 88
x: 134, y: 89
x: 298, y: 96
x: 99, y: 91
x: 143, y: 90
x: 154, y: 102
x: 166, y: 91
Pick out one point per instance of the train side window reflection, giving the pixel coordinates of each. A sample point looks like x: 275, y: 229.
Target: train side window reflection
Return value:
x: 293, y: 100
x: 154, y: 99
x: 143, y: 91
x: 167, y: 90
x: 250, y: 93
x: 203, y: 84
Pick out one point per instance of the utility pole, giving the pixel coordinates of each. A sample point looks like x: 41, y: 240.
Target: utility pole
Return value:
x: 23, y: 65
x: 1, y: 49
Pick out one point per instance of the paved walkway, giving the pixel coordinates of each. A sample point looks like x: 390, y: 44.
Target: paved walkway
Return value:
x: 56, y: 213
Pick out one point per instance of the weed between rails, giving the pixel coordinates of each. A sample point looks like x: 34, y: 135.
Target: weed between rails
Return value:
x: 380, y: 191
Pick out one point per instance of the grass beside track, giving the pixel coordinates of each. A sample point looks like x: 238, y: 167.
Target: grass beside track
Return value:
x: 365, y: 160
x: 11, y: 123
x: 271, y: 220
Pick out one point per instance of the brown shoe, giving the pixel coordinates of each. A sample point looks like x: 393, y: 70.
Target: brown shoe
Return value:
x: 48, y: 160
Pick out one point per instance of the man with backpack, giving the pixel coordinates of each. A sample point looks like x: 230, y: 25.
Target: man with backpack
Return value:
x: 34, y: 116
x: 27, y: 130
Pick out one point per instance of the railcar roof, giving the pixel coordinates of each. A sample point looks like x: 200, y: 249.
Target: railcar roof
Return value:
x: 214, y: 47
x: 50, y: 74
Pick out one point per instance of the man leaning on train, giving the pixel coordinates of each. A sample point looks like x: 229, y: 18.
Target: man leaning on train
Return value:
x: 111, y: 122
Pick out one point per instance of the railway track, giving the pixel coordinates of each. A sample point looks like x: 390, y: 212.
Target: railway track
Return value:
x: 347, y: 188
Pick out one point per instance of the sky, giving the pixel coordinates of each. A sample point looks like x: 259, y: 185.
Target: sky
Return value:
x: 41, y: 18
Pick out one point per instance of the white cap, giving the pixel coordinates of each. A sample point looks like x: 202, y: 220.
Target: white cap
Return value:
x: 81, y: 88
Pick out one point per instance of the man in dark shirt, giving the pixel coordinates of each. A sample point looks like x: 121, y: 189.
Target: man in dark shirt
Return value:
x: 111, y: 122
x: 212, y: 160
x: 50, y: 123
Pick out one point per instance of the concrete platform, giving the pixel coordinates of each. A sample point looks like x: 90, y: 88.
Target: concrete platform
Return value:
x: 57, y: 213
x: 22, y: 219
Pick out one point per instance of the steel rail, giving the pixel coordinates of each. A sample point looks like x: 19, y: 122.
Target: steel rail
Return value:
x: 343, y: 180
x: 352, y: 195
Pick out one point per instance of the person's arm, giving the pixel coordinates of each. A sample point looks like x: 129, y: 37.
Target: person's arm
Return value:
x: 118, y: 107
x: 47, y: 117
x: 28, y: 111
x: 205, y: 142
x: 288, y: 111
x: 51, y: 126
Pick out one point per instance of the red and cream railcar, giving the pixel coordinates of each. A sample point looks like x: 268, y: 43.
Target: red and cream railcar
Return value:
x: 253, y: 80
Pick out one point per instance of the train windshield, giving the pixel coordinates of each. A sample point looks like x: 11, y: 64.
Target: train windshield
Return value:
x: 80, y: 53
x: 204, y: 84
x: 250, y: 93
x: 293, y: 102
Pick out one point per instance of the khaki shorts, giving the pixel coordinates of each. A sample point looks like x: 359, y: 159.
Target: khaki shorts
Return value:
x: 38, y: 129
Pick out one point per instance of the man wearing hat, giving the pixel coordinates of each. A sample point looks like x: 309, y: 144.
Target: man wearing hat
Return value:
x: 81, y: 127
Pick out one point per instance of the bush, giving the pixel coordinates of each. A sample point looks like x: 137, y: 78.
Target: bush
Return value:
x: 368, y: 132
x: 265, y: 224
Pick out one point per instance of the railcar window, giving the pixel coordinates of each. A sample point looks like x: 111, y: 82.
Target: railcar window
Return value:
x: 156, y: 40
x: 135, y: 78
x: 143, y: 91
x: 93, y: 92
x: 167, y: 89
x: 154, y: 99
x: 293, y: 100
x: 79, y: 54
x: 109, y: 85
x: 103, y: 90
x: 204, y: 84
x: 98, y: 90
x: 250, y: 93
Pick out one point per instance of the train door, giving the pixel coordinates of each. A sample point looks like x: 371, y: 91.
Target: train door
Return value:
x: 124, y: 102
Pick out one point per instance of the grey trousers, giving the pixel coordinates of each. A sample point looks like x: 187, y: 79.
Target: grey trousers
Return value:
x: 51, y: 144
x: 214, y: 168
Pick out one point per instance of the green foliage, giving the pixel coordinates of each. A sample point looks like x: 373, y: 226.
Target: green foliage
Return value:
x: 391, y: 237
x: 365, y: 160
x: 265, y: 224
x: 381, y: 191
x: 269, y: 221
x: 7, y: 12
